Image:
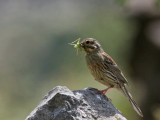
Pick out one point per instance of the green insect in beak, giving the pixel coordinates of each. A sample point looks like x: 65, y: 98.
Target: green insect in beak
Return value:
x: 77, y: 44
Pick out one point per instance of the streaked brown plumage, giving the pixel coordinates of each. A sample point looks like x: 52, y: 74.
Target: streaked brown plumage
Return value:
x: 105, y: 70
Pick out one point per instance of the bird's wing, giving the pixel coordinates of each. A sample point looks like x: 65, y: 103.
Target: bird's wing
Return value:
x: 113, y: 69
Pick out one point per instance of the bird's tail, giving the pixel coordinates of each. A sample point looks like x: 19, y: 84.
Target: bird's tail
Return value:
x: 134, y: 104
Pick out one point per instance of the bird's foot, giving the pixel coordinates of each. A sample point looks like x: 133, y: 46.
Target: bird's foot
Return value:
x: 103, y: 92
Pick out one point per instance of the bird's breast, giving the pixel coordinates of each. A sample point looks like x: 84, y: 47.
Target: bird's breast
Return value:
x: 98, y: 69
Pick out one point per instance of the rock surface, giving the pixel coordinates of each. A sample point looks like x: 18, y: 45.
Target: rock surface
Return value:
x: 63, y: 104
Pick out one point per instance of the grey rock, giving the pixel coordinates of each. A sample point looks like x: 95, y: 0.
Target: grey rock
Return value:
x: 63, y: 104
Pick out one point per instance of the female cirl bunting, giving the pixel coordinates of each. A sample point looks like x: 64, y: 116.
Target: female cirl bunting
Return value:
x: 105, y: 70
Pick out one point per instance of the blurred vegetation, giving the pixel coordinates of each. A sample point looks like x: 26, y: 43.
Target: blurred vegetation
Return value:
x: 35, y: 55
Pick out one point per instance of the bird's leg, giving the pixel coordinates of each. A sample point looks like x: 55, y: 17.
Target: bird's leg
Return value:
x: 105, y: 90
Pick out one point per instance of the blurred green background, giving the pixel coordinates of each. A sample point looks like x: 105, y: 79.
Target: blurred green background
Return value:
x: 35, y: 55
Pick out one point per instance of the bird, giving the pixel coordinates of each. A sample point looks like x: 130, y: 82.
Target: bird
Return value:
x: 105, y: 70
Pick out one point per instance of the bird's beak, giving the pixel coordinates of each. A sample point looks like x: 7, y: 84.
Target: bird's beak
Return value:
x: 82, y: 45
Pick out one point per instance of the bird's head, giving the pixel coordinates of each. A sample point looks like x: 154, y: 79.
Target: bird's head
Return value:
x: 90, y: 45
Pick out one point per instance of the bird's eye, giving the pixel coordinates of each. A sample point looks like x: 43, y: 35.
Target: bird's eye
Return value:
x: 87, y: 42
